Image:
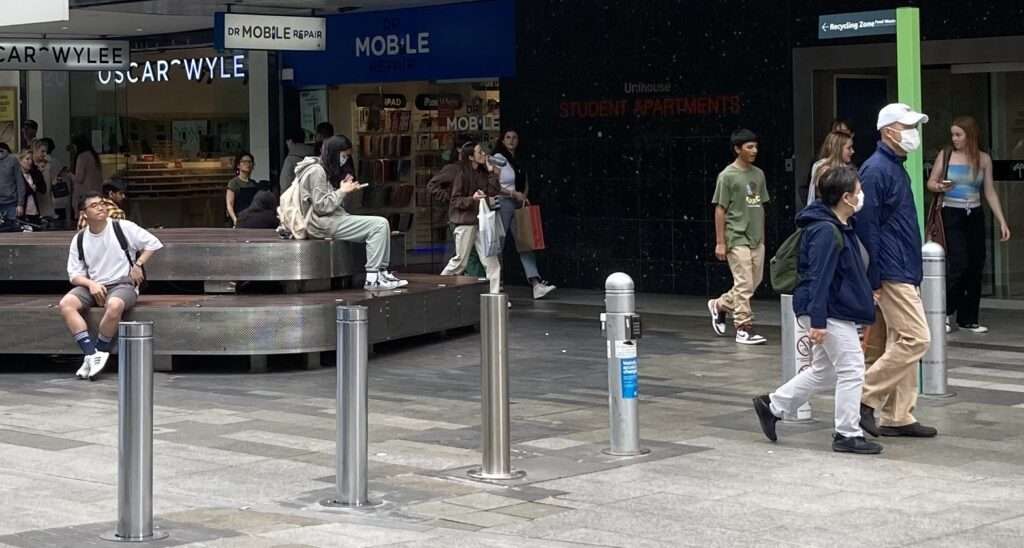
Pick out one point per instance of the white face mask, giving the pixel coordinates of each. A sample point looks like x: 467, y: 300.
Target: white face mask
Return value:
x: 344, y: 157
x: 910, y: 139
x: 859, y: 205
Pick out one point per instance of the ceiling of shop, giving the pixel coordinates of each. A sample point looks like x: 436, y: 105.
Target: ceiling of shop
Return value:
x: 92, y: 18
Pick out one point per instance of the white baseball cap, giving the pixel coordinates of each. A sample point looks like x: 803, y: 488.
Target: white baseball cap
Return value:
x: 898, y: 112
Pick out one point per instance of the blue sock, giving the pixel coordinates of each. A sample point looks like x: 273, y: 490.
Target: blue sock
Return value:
x: 104, y: 343
x: 85, y: 343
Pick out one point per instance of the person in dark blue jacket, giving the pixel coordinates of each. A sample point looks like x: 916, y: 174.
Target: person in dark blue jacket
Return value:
x: 831, y: 299
x: 889, y: 229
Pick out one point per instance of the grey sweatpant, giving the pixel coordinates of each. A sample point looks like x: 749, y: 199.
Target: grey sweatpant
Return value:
x: 374, y: 231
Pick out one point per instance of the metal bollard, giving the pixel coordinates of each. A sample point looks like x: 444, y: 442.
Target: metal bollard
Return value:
x: 351, y: 414
x: 796, y: 354
x: 135, y: 434
x: 621, y: 325
x: 933, y: 297
x: 494, y: 432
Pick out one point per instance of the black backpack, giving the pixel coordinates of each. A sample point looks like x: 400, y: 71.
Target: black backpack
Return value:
x: 121, y: 239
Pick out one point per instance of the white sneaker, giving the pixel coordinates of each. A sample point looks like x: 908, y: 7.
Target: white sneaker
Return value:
x: 97, y: 362
x: 390, y: 276
x: 746, y: 335
x: 717, y: 318
x: 542, y: 289
x: 975, y: 328
x: 83, y: 372
x: 380, y: 284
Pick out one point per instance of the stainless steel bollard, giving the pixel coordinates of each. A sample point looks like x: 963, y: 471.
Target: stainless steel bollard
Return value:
x: 796, y: 354
x: 494, y: 431
x: 621, y: 325
x: 933, y: 297
x: 135, y: 434
x: 351, y: 413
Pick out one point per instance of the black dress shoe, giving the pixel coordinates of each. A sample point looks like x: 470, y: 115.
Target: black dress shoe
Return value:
x: 858, y: 445
x: 915, y: 430
x: 763, y: 408
x: 867, y: 420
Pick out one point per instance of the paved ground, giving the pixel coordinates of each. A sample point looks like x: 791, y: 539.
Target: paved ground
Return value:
x: 241, y: 460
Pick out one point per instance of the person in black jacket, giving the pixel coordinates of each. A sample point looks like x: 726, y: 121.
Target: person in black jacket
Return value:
x: 261, y: 213
x: 831, y: 299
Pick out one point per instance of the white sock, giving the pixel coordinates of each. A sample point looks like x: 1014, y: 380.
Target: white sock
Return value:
x: 371, y: 277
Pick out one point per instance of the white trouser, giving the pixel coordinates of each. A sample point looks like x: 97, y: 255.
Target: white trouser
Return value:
x: 465, y: 240
x: 840, y: 361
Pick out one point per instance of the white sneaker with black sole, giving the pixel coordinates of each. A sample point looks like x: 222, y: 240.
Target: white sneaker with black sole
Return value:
x: 975, y: 328
x: 83, y: 372
x: 748, y: 336
x: 98, y: 362
x: 717, y: 318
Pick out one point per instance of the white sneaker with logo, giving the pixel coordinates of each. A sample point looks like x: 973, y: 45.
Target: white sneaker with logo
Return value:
x: 97, y: 362
x: 746, y: 335
x: 377, y: 282
x: 390, y: 276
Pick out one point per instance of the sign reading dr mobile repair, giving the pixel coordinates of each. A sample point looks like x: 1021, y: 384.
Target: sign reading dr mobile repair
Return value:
x: 266, y: 32
x: 63, y: 54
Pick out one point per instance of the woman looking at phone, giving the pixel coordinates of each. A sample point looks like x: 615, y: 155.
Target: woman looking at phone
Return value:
x: 961, y: 186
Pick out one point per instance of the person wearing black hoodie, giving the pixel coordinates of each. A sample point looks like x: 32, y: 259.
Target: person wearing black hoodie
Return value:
x: 261, y: 213
x: 833, y: 296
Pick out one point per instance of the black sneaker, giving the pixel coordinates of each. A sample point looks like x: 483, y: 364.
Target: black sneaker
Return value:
x: 915, y: 430
x: 867, y: 420
x: 717, y: 318
x: 858, y: 445
x: 763, y: 408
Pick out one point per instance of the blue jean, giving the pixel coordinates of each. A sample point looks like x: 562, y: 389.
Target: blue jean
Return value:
x: 9, y: 211
x: 508, y: 220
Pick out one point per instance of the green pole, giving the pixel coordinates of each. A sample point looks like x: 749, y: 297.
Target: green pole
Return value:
x: 908, y: 76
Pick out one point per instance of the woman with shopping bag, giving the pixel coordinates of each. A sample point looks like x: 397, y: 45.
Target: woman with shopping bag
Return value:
x: 520, y: 219
x: 470, y: 211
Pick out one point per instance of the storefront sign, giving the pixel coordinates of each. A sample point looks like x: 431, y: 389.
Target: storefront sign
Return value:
x: 426, y: 43
x: 380, y: 100
x: 269, y: 32
x: 434, y: 101
x: 474, y: 123
x: 195, y: 69
x: 36, y: 11
x: 863, y: 23
x: 652, y: 107
x: 63, y: 54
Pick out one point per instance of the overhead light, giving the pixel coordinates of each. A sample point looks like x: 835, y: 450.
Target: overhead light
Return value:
x: 65, y: 28
x: 138, y: 29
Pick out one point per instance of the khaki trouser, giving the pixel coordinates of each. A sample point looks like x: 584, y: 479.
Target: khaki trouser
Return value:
x: 465, y: 241
x: 901, y: 335
x: 747, y: 266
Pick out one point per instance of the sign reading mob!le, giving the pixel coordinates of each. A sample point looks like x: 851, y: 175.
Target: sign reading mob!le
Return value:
x: 862, y: 23
x: 452, y: 41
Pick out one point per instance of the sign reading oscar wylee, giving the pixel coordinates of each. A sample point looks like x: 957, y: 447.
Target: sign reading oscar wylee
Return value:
x: 266, y: 32
x: 862, y: 23
x: 63, y: 54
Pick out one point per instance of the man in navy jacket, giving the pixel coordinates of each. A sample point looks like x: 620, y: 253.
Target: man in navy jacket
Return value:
x: 890, y: 232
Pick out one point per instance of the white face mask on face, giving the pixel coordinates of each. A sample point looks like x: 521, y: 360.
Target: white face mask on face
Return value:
x: 859, y: 205
x: 910, y: 139
x: 344, y: 157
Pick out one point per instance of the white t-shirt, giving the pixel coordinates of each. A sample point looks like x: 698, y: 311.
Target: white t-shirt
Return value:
x: 507, y: 175
x: 107, y: 263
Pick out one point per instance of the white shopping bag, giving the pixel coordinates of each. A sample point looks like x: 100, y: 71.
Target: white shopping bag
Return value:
x: 492, y: 232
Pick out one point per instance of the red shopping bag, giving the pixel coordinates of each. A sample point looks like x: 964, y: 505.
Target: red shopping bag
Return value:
x: 529, y: 232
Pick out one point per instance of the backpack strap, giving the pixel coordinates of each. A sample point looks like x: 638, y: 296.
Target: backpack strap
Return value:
x: 81, y: 249
x: 838, y: 235
x: 123, y: 241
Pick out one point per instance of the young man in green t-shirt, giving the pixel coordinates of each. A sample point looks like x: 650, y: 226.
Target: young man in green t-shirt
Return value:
x: 740, y: 194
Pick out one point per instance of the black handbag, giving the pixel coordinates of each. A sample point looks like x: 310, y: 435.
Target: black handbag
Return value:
x: 61, y: 189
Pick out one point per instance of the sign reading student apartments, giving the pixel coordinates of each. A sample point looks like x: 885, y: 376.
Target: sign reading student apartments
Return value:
x: 862, y: 23
x: 63, y: 54
x: 266, y: 32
